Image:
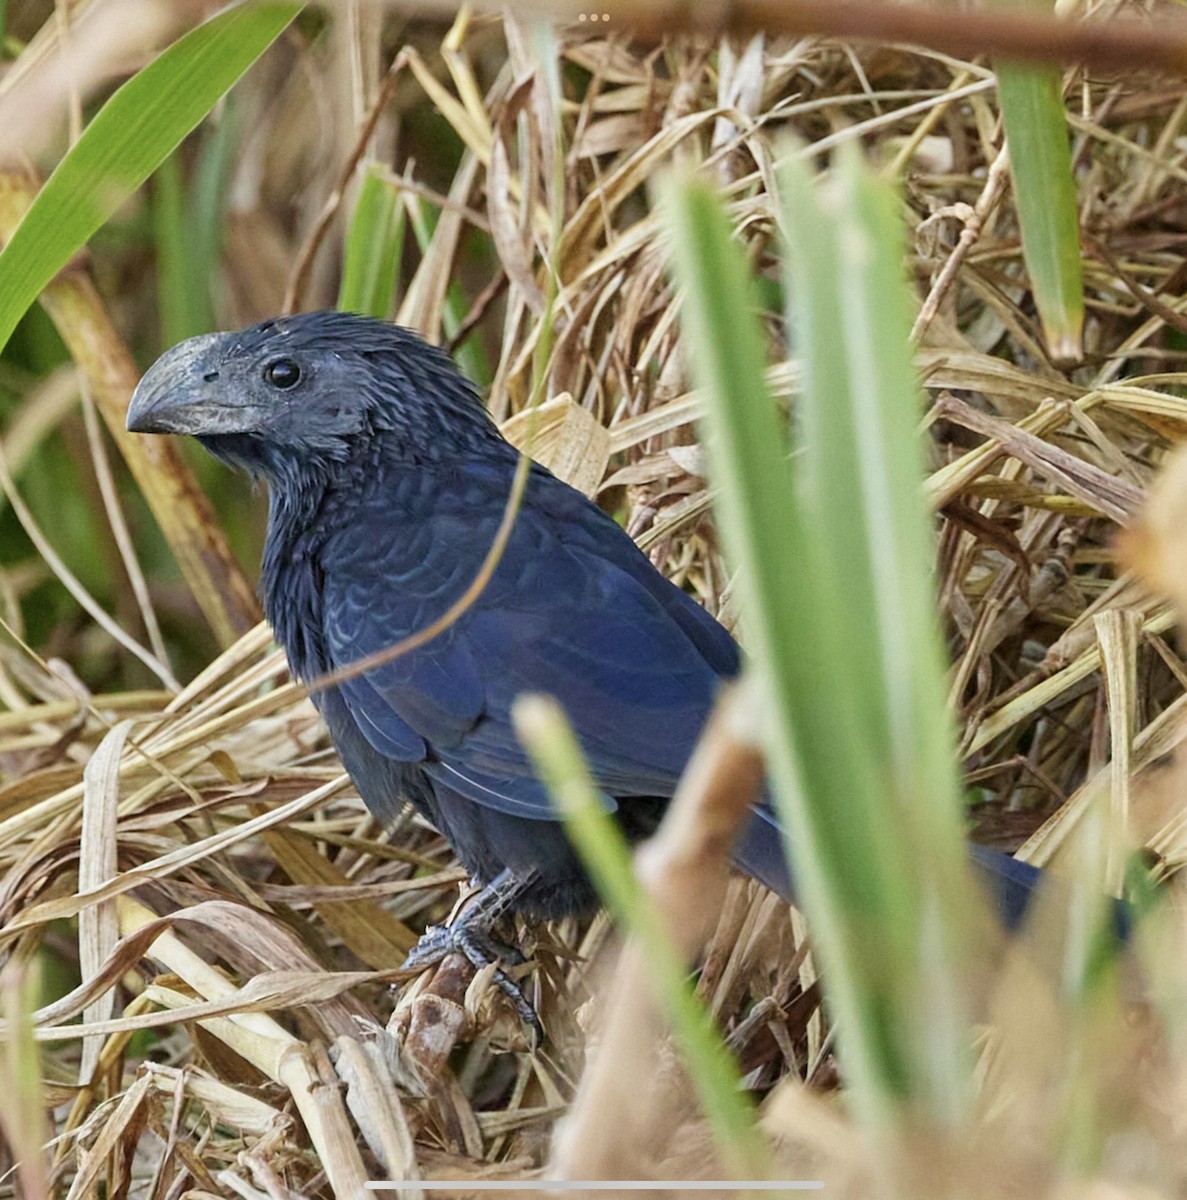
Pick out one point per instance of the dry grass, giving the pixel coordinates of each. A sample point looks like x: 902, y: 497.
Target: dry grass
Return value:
x: 240, y: 1054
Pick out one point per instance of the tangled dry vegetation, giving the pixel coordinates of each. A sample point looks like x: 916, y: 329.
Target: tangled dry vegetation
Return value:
x: 214, y: 818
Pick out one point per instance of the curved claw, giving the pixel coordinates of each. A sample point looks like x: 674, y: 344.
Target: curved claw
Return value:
x: 470, y: 936
x: 480, y: 950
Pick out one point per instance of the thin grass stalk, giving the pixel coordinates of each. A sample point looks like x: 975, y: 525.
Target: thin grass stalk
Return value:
x: 374, y: 243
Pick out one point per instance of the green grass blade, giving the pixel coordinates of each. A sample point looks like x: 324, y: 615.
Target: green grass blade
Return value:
x: 374, y: 244
x: 882, y: 407
x: 470, y: 356
x: 22, y: 1102
x: 178, y: 300
x: 209, y: 192
x: 860, y: 485
x: 128, y: 139
x: 549, y: 739
x: 919, y: 776
x: 788, y: 632
x: 1045, y: 194
x: 851, y: 738
x: 827, y: 470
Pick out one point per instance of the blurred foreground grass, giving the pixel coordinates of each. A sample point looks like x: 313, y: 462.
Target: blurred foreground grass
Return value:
x: 522, y: 231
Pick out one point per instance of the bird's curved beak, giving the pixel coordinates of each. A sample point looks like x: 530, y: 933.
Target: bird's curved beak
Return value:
x: 179, y: 393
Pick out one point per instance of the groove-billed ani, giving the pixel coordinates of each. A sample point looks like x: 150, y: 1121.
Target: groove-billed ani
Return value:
x: 387, y: 481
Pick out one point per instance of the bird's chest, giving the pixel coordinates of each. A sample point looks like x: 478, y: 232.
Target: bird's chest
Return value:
x: 391, y: 558
x: 293, y: 581
x: 293, y: 594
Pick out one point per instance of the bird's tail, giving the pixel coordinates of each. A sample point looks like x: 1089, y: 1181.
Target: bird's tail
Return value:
x: 762, y: 854
x: 1012, y: 884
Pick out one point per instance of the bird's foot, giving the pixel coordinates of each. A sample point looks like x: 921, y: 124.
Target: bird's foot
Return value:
x: 470, y: 936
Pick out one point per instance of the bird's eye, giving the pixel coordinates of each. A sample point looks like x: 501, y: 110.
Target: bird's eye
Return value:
x: 282, y: 373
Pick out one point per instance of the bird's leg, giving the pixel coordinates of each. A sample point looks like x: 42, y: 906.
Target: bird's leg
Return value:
x: 469, y: 935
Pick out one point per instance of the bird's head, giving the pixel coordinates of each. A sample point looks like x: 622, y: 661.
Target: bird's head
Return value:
x: 317, y: 388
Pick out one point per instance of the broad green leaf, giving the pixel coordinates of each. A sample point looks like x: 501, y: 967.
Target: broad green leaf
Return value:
x: 1045, y: 194
x: 862, y: 463
x: 128, y: 139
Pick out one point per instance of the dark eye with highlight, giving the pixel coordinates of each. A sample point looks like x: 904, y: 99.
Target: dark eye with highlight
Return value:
x: 282, y: 373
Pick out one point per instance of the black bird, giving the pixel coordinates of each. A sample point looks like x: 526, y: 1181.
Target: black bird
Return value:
x: 388, y: 480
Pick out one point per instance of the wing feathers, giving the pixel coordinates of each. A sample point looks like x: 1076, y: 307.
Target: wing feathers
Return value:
x: 573, y: 610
